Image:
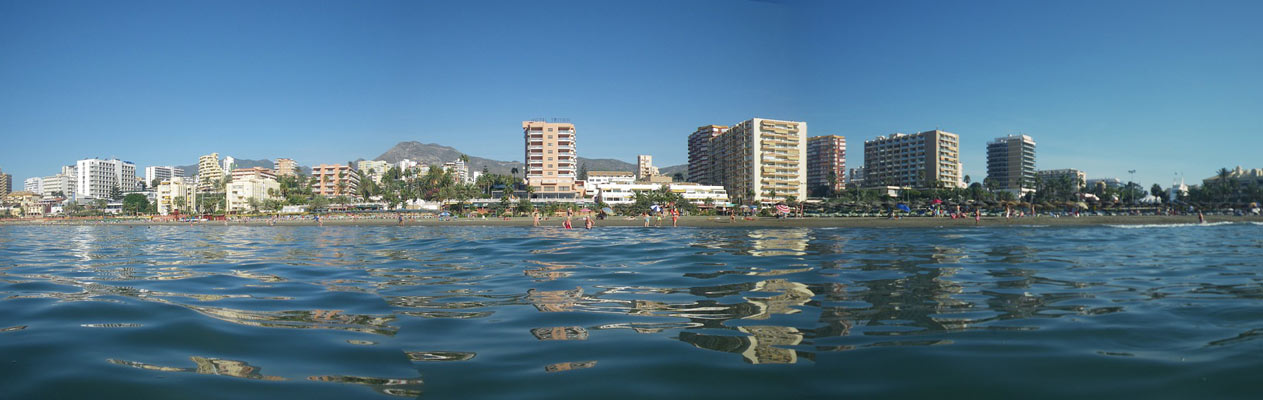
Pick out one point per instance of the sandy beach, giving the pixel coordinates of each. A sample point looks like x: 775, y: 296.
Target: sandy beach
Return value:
x: 688, y: 221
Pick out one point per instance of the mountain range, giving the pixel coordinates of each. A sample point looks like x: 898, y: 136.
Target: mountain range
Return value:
x: 432, y: 153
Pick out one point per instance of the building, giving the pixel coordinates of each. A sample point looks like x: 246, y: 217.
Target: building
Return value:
x: 917, y: 160
x: 373, y: 169
x: 1011, y: 164
x: 459, y: 171
x: 1112, y: 183
x: 625, y: 193
x: 251, y: 188
x: 550, y: 158
x: 176, y: 195
x: 857, y: 177
x: 285, y: 167
x: 229, y: 163
x: 1239, y: 181
x: 33, y: 185
x: 761, y: 160
x: 598, y: 178
x: 6, y: 183
x: 1079, y: 178
x: 97, y: 178
x: 258, y: 172
x: 161, y: 173
x: 331, y: 180
x: 826, y: 162
x: 209, y: 172
x: 644, y: 167
x: 60, y: 183
x: 699, y: 152
x: 406, y: 165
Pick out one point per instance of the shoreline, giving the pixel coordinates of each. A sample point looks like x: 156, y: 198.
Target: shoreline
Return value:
x: 685, y: 222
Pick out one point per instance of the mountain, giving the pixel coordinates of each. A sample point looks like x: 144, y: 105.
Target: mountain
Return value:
x: 682, y: 169
x: 432, y: 153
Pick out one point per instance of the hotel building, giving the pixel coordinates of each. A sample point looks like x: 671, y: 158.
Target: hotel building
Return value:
x: 209, y: 172
x: 1011, y: 164
x: 761, y: 160
x: 96, y: 178
x: 334, y: 180
x: 551, y: 159
x: 699, y: 153
x: 285, y: 166
x: 1079, y: 178
x: 917, y: 160
x: 161, y: 173
x: 826, y: 158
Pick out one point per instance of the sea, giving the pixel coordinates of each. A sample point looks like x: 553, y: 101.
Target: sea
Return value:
x: 240, y: 312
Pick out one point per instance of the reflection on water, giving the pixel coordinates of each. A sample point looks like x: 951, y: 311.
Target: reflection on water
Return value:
x: 484, y: 307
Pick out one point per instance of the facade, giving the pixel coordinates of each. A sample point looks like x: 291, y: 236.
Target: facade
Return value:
x: 1078, y: 177
x: 161, y: 173
x: 699, y: 152
x: 857, y: 176
x: 209, y: 172
x: 625, y: 193
x: 644, y: 167
x: 33, y: 185
x: 96, y: 178
x: 1239, y: 181
x: 331, y: 180
x: 256, y: 187
x: 176, y: 194
x: 373, y: 169
x: 63, y: 183
x: 761, y: 160
x: 826, y: 158
x: 459, y: 170
x: 229, y: 163
x: 6, y: 183
x: 258, y: 172
x: 406, y: 165
x: 550, y: 158
x: 285, y: 166
x: 1011, y: 164
x: 598, y: 178
x: 917, y: 160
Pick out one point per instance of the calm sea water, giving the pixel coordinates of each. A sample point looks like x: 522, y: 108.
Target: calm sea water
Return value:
x: 448, y: 312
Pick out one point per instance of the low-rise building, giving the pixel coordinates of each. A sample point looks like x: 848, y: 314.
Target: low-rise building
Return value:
x: 250, y: 190
x: 701, y: 195
x: 176, y: 195
x: 1077, y: 177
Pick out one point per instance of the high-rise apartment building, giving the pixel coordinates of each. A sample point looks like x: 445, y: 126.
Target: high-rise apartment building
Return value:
x: 551, y: 158
x: 34, y: 185
x: 209, y: 172
x: 96, y: 178
x: 644, y: 167
x: 761, y: 160
x: 699, y: 153
x: 918, y: 160
x: 6, y: 183
x: 826, y: 161
x: 334, y: 180
x: 60, y: 183
x: 1011, y: 164
x: 285, y: 166
x: 161, y: 173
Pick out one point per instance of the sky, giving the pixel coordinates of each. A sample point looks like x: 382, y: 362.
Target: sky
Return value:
x: 1162, y: 88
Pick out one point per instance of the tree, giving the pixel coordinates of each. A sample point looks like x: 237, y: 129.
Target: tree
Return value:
x: 135, y: 203
x: 967, y: 180
x: 465, y: 159
x: 583, y: 171
x: 155, y: 183
x: 116, y: 193
x: 1156, y: 191
x: 317, y: 202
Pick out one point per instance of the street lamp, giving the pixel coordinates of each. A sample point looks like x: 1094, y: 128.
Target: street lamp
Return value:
x: 1129, y: 182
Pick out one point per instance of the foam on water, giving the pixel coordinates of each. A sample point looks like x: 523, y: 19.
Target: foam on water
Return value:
x: 1189, y: 225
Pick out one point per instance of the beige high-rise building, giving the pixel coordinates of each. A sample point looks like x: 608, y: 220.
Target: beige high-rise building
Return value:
x: 644, y: 167
x: 699, y: 153
x: 1011, y: 164
x: 761, y: 160
x: 334, y: 180
x: 285, y: 166
x: 176, y: 194
x: 916, y: 160
x: 373, y: 169
x: 551, y: 159
x: 209, y: 172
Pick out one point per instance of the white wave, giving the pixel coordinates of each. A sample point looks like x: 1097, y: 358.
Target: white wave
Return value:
x: 1137, y: 226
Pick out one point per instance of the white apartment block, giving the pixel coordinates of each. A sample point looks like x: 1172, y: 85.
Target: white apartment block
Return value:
x: 406, y: 165
x: 761, y: 160
x: 598, y: 178
x: 161, y: 173
x: 258, y: 188
x: 460, y: 171
x: 96, y: 178
x: 34, y: 185
x: 625, y: 193
x: 229, y: 163
x: 58, y: 183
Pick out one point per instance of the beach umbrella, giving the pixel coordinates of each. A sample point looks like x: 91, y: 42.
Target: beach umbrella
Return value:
x: 783, y: 209
x: 585, y: 210
x: 1081, y: 205
x: 937, y: 201
x: 608, y: 210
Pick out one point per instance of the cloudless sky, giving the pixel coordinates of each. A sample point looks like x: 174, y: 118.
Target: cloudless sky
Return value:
x: 1102, y: 86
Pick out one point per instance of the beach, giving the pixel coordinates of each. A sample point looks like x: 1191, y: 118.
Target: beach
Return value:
x: 686, y: 221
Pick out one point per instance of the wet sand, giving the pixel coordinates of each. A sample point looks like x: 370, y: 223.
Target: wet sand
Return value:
x: 690, y: 221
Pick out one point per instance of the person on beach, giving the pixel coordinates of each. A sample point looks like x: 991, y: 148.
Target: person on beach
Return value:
x: 645, y: 215
x: 977, y: 216
x: 675, y: 217
x: 732, y: 216
x: 535, y: 215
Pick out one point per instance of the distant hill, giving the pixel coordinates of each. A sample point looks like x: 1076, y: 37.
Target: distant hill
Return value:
x: 432, y: 153
x: 683, y: 169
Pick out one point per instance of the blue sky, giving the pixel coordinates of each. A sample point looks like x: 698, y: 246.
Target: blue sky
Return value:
x: 1103, y: 86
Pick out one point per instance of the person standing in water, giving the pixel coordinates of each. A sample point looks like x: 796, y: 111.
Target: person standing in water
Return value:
x: 1201, y: 219
x: 535, y: 214
x: 587, y: 223
x: 977, y: 216
x: 566, y: 224
x: 646, y: 217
